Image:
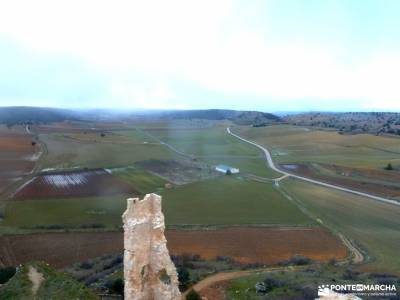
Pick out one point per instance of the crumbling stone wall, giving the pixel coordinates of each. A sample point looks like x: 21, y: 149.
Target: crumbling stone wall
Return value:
x: 148, y: 270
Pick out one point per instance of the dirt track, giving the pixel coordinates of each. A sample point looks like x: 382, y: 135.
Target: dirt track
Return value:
x: 225, y: 276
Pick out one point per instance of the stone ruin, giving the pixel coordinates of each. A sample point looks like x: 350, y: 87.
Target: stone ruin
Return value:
x: 149, y: 273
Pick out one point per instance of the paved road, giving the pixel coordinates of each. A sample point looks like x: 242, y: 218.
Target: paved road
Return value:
x: 332, y: 186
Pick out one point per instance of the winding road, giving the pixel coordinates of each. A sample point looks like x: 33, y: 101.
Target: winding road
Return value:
x: 328, y: 185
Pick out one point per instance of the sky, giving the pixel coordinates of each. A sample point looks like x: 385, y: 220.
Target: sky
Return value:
x: 265, y: 55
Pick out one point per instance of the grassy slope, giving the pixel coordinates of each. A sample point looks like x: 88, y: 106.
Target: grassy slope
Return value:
x: 55, y: 286
x: 375, y: 225
x: 299, y: 284
x: 299, y: 144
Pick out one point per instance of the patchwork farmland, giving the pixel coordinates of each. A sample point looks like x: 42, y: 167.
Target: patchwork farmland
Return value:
x: 356, y: 161
x: 69, y: 208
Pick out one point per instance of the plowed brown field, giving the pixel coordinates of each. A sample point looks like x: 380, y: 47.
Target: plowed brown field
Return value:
x: 257, y: 245
x: 246, y: 245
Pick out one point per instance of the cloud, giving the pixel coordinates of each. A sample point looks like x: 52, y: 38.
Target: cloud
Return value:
x: 137, y: 52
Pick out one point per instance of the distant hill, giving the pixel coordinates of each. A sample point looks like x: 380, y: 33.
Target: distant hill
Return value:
x: 22, y: 114
x: 350, y: 122
x: 25, y: 114
x: 237, y: 116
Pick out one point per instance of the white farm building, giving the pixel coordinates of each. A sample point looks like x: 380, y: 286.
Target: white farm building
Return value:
x: 224, y: 169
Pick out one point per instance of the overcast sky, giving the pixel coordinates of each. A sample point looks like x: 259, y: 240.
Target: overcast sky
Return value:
x: 264, y: 55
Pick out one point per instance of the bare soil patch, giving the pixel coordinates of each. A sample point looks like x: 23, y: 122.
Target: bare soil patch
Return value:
x: 73, y: 184
x: 36, y: 278
x: 243, y: 244
x: 178, y: 172
x: 216, y: 291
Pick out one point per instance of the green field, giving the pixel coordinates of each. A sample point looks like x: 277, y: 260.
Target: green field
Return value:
x: 65, y: 152
x: 229, y: 200
x: 222, y: 201
x: 67, y: 212
x: 142, y: 181
x: 290, y: 144
x: 372, y: 224
x: 120, y: 148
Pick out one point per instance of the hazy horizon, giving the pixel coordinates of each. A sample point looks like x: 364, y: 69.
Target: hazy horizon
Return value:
x: 272, y: 56
x: 133, y: 109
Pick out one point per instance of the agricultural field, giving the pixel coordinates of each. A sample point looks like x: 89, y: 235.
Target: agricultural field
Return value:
x: 65, y: 213
x: 96, y: 182
x: 63, y: 249
x: 78, y: 191
x: 356, y: 161
x: 17, y: 155
x: 373, y: 225
x: 301, y: 144
x: 179, y: 172
x: 230, y: 200
x: 243, y: 202
x: 257, y: 245
x: 215, y: 146
x: 63, y: 151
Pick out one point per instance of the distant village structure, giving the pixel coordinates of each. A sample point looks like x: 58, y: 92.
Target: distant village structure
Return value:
x: 149, y: 273
x: 226, y: 169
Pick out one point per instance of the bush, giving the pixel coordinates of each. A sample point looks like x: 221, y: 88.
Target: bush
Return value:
x: 296, y: 260
x: 271, y: 283
x: 86, y: 265
x: 193, y: 295
x: 332, y: 261
x: 183, y: 277
x: 389, y: 167
x: 6, y: 274
x: 349, y: 274
x: 116, y: 286
x: 226, y: 259
x: 299, y: 260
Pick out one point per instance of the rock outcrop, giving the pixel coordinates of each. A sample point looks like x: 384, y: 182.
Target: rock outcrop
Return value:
x: 148, y: 270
